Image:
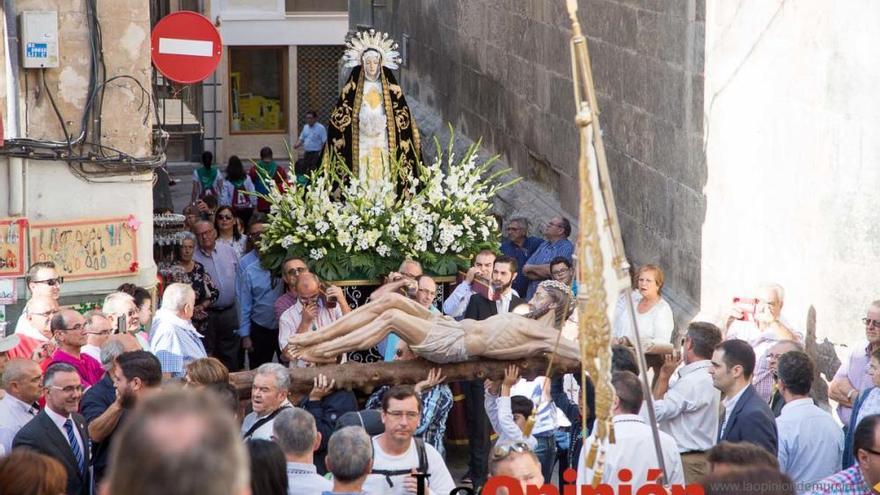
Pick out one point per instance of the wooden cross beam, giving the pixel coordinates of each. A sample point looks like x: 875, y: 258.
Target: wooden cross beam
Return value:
x: 359, y: 376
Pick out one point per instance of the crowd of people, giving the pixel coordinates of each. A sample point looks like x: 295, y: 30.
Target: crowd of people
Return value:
x: 137, y: 397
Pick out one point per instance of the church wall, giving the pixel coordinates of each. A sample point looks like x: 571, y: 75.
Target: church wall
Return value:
x: 793, y: 146
x: 500, y: 70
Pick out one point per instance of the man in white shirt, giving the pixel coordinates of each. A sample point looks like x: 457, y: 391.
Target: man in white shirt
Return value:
x: 686, y: 402
x: 268, y: 398
x: 98, y: 329
x: 397, y: 455
x: 455, y: 304
x: 294, y: 430
x: 310, y: 312
x: 634, y: 442
x: 21, y: 381
x: 42, y: 281
x: 810, y: 442
x: 34, y: 338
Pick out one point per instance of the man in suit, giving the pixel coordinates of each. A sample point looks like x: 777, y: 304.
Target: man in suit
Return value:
x: 746, y: 417
x: 480, y: 308
x: 58, y: 431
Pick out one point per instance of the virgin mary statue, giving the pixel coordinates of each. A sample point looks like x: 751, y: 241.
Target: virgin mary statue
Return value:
x: 371, y: 120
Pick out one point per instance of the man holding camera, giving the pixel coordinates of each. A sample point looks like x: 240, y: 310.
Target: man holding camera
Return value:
x: 760, y: 323
x: 404, y: 280
x: 479, y: 273
x: 314, y: 308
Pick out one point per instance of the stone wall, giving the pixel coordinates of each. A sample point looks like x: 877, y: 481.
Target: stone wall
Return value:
x: 500, y: 70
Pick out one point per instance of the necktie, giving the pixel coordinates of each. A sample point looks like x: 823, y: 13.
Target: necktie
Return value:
x: 74, y: 445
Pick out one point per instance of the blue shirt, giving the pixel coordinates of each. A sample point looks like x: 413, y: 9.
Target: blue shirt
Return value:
x: 545, y: 253
x: 508, y: 248
x: 175, y: 342
x: 810, y: 442
x: 221, y: 265
x: 250, y: 257
x: 256, y: 298
x: 313, y: 137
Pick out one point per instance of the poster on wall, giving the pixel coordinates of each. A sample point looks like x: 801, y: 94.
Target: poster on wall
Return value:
x: 7, y: 291
x: 12, y: 242
x: 87, y: 248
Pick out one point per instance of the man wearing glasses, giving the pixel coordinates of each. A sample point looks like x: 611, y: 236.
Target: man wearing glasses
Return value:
x: 257, y: 290
x: 312, y: 311
x: 520, y: 246
x: 537, y: 268
x: 397, y: 454
x: 852, y: 377
x: 69, y: 330
x: 220, y: 262
x: 98, y: 329
x: 35, y: 340
x: 42, y: 282
x: 290, y: 270
x: 58, y: 431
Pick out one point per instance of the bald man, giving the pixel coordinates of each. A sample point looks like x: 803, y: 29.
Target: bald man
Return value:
x: 21, y: 381
x: 310, y: 312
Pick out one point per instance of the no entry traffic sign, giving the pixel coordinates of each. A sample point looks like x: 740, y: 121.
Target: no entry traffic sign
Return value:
x: 186, y: 47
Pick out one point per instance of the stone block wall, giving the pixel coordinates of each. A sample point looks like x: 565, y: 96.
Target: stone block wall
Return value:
x: 500, y: 70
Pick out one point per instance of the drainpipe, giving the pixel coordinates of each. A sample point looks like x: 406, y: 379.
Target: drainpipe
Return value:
x: 12, y: 118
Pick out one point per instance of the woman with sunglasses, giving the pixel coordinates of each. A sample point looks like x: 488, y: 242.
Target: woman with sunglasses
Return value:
x: 441, y: 339
x: 238, y: 190
x: 227, y: 230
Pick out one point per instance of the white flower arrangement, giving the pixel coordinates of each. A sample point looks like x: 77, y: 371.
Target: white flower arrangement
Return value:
x: 440, y: 216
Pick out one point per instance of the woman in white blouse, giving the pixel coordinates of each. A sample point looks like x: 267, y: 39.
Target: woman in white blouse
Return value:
x: 653, y: 313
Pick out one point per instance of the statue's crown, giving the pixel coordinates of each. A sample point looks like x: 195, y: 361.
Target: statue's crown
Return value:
x: 371, y: 40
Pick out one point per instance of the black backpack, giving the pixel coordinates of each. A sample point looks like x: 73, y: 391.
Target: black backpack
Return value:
x: 423, y: 463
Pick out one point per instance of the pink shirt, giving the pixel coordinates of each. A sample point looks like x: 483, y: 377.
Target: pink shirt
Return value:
x: 89, y: 369
x: 283, y: 303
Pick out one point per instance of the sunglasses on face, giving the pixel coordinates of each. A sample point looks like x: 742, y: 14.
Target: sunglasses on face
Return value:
x: 871, y: 323
x: 225, y: 217
x: 504, y: 450
x: 308, y: 300
x: 297, y: 271
x: 51, y: 282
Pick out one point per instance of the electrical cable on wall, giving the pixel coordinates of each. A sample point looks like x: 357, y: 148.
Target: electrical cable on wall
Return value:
x: 86, y: 155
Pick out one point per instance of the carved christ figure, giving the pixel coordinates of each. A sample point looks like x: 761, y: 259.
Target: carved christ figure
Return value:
x: 441, y: 339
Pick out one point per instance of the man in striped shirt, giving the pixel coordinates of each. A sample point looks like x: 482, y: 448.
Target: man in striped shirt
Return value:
x: 175, y: 340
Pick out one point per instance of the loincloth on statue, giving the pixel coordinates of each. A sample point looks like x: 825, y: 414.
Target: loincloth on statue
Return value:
x: 444, y: 343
